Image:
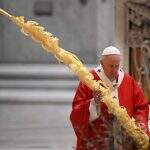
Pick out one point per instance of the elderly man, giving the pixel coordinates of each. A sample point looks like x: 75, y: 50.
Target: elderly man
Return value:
x: 94, y: 127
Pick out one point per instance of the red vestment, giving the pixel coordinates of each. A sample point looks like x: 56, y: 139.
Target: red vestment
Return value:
x: 94, y: 135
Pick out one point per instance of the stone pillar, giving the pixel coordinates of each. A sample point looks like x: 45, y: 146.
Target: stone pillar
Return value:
x: 105, y: 24
x: 120, y: 31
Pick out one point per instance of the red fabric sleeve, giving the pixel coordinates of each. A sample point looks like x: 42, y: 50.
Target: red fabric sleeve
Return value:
x: 80, y: 112
x: 141, y: 106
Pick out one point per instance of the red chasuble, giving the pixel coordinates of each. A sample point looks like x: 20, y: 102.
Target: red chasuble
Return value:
x: 97, y: 133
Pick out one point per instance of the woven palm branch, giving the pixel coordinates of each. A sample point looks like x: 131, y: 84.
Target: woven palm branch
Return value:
x: 51, y: 45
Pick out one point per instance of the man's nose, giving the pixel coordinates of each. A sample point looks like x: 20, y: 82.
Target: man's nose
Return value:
x: 115, y: 70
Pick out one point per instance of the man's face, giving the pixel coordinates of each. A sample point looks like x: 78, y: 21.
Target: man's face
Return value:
x: 110, y: 64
